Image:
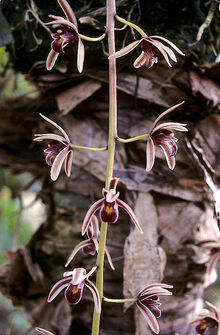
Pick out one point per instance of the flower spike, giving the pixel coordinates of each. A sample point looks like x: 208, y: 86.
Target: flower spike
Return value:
x: 109, y: 208
x: 74, y: 282
x: 162, y: 135
x: 58, y: 150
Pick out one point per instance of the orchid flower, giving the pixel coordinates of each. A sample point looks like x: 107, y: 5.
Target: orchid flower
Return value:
x: 108, y: 206
x: 58, y: 149
x: 162, y: 135
x: 67, y: 33
x: 43, y: 331
x: 90, y: 245
x: 147, y: 300
x: 74, y: 283
x: 214, y: 247
x: 207, y: 320
x: 151, y: 47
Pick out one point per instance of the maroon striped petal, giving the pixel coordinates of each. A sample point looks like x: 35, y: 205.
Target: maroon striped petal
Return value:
x: 93, y: 229
x: 154, y: 286
x: 150, y: 154
x: 73, y: 293
x: 43, y: 331
x: 76, y: 249
x: 51, y: 59
x: 58, y: 162
x: 141, y: 60
x: 168, y: 151
x: 170, y: 126
x: 68, y: 163
x: 125, y: 50
x: 170, y: 43
x: 130, y: 212
x: 50, y: 137
x: 61, y: 21
x: 80, y: 55
x: 89, y: 215
x: 109, y: 212
x: 109, y: 258
x: 68, y: 11
x: 57, y: 126
x: 169, y: 110
x: 58, y: 287
x: 95, y: 294
x: 148, y: 315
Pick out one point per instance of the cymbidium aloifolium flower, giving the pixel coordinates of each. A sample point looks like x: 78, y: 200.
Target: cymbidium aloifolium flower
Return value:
x: 207, y: 320
x: 67, y: 33
x: 108, y: 207
x: 73, y: 283
x: 148, y: 302
x: 162, y: 135
x: 152, y: 47
x: 58, y: 150
x: 91, y: 244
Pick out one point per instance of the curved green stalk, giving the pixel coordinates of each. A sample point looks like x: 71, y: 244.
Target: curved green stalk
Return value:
x: 141, y: 32
x: 132, y: 139
x: 74, y: 146
x: 92, y: 39
x: 120, y: 301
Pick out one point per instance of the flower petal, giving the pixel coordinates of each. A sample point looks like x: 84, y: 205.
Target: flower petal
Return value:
x: 73, y: 293
x: 150, y: 154
x: 58, y: 162
x: 93, y: 230
x: 52, y: 137
x: 126, y: 50
x: 57, y: 126
x: 57, y: 288
x: 169, y: 110
x: 43, y: 331
x: 109, y: 258
x: 61, y: 21
x: 78, y: 275
x: 141, y: 60
x: 68, y: 11
x: 76, y: 249
x: 159, y: 46
x: 51, y: 59
x: 130, y: 213
x: 167, y: 149
x: 151, y: 319
x: 89, y: 215
x: 95, y: 294
x: 80, y: 55
x: 214, y: 309
x: 154, y: 285
x: 170, y: 43
x: 68, y: 163
x: 109, y: 212
x: 170, y: 126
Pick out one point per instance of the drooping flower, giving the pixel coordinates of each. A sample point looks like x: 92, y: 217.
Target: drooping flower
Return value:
x: 90, y: 245
x: 58, y: 150
x: 43, y: 331
x: 108, y: 206
x: 148, y: 301
x: 73, y: 283
x: 207, y: 320
x: 162, y: 135
x: 67, y: 33
x: 151, y: 47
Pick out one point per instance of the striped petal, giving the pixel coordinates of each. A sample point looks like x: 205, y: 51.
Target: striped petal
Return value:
x: 126, y: 50
x: 170, y: 43
x: 52, y: 137
x: 169, y: 110
x: 76, y: 249
x: 43, y: 331
x: 80, y: 55
x: 141, y: 60
x: 167, y: 149
x: 170, y: 126
x: 68, y: 163
x: 109, y: 258
x: 51, y: 59
x: 68, y: 11
x: 78, y: 276
x: 58, y: 162
x: 58, y: 287
x: 150, y: 154
x: 93, y: 230
x: 154, y: 286
x: 148, y: 315
x: 61, y: 21
x: 57, y: 126
x: 130, y: 212
x: 89, y: 215
x: 159, y: 46
x: 95, y: 294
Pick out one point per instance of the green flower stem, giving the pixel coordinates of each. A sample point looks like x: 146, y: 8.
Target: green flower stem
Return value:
x: 141, y: 32
x: 120, y: 301
x: 74, y: 146
x: 132, y: 139
x: 92, y: 39
x: 110, y: 26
